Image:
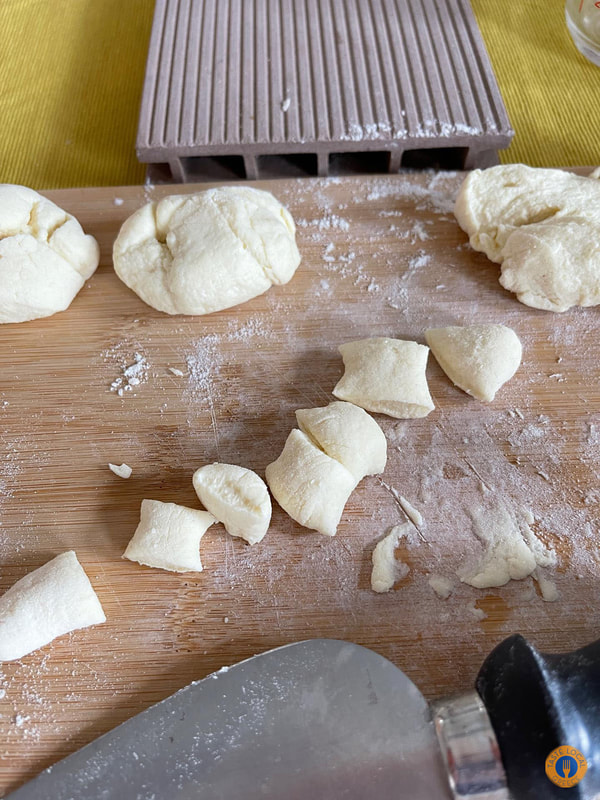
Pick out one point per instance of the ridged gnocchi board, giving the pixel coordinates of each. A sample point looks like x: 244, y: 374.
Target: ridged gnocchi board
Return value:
x: 381, y: 256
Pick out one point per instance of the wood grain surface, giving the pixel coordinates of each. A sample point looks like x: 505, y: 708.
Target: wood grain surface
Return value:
x: 381, y: 256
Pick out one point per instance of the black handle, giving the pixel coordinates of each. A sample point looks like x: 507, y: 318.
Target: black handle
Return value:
x: 538, y: 702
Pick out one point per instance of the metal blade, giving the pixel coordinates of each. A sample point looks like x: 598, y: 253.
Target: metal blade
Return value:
x: 321, y: 718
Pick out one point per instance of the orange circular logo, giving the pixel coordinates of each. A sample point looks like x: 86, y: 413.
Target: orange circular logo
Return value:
x: 566, y: 766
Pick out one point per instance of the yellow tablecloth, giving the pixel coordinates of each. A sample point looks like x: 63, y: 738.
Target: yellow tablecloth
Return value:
x: 71, y: 74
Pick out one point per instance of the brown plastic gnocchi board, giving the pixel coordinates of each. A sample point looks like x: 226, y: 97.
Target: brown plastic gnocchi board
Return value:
x: 291, y: 87
x: 381, y: 256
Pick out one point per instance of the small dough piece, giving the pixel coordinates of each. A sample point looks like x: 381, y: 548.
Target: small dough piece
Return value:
x: 198, y: 253
x: 50, y: 601
x: 542, y: 226
x: 237, y: 497
x: 386, y: 376
x: 309, y: 485
x: 386, y: 569
x: 45, y: 257
x: 441, y: 586
x: 122, y: 470
x: 168, y: 537
x: 347, y: 433
x: 479, y: 359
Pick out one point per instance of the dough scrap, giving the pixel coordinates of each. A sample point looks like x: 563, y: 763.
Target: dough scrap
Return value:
x: 542, y: 226
x: 512, y: 550
x: 50, y: 601
x: 479, y: 359
x: 168, y: 537
x: 45, y: 257
x: 199, y: 253
x: 441, y: 586
x: 122, y: 470
x: 387, y: 570
x: 237, y: 497
x: 309, y: 485
x: 347, y: 433
x: 386, y: 376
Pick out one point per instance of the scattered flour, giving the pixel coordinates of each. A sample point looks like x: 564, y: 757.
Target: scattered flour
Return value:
x: 512, y: 551
x: 132, y: 376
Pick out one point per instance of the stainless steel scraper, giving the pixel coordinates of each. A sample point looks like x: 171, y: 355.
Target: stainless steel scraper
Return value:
x: 330, y: 719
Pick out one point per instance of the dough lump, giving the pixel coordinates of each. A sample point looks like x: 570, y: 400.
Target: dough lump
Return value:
x: 198, y: 253
x: 479, y: 359
x: 386, y: 376
x: 45, y: 257
x: 309, y: 485
x: 168, y: 537
x: 542, y: 226
x: 347, y: 433
x: 322, y: 463
x: 237, y: 497
x: 50, y: 601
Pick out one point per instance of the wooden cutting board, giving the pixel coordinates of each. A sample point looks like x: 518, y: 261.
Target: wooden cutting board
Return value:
x: 381, y: 256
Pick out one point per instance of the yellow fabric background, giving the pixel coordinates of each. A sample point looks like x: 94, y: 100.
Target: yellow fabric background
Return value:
x: 71, y: 74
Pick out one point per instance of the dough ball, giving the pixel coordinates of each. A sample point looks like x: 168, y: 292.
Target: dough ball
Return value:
x: 168, y: 537
x: 48, y: 602
x: 45, y: 257
x: 347, y: 433
x: 237, y: 497
x: 542, y: 226
x: 309, y: 485
x: 198, y: 253
x: 478, y: 359
x: 386, y: 376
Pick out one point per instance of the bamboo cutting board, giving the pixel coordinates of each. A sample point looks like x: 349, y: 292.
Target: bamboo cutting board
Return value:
x: 381, y: 256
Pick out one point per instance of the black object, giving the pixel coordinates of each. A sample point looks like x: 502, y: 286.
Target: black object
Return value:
x: 538, y: 702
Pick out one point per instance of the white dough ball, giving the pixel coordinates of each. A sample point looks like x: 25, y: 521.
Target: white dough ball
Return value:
x: 198, y: 253
x: 45, y: 257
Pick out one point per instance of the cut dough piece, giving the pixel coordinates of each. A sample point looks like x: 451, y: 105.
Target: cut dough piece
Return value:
x: 386, y: 569
x: 194, y: 254
x: 542, y: 226
x: 168, y: 537
x: 237, y: 497
x: 479, y: 359
x: 122, y: 470
x: 386, y: 376
x: 45, y: 257
x: 50, y: 601
x: 309, y: 485
x: 347, y: 433
x: 512, y: 550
